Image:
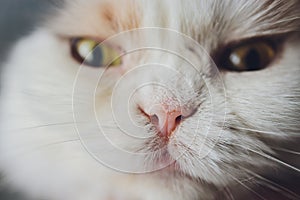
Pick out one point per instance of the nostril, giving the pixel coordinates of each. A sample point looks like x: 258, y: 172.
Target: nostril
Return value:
x: 154, y: 119
x: 165, y: 120
x: 178, y: 119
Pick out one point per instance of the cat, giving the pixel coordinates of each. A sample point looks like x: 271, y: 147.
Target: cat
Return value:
x: 144, y: 100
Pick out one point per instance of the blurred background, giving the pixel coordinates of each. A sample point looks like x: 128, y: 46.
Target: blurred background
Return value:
x: 17, y: 19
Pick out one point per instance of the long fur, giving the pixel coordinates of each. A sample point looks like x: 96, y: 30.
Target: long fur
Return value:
x: 49, y: 134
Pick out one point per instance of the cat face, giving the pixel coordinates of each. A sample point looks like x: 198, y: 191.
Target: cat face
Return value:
x: 126, y: 97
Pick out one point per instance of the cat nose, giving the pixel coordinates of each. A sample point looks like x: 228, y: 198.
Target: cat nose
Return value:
x: 165, y: 120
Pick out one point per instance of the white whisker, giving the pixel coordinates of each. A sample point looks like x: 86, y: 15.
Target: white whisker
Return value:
x: 247, y: 187
x: 286, y: 150
x: 271, y: 158
x: 260, y: 131
x: 283, y: 189
x: 229, y: 193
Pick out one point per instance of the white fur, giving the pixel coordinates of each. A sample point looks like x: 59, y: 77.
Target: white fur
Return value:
x: 40, y: 150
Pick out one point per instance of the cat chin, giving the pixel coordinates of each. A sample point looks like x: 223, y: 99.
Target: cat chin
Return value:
x: 83, y: 178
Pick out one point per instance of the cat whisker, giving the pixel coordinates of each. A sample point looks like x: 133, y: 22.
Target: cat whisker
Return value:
x: 286, y: 150
x: 288, y: 193
x: 110, y: 127
x: 271, y: 158
x: 286, y: 20
x: 64, y: 142
x: 58, y: 124
x: 59, y: 143
x: 260, y: 131
x: 248, y: 179
x: 37, y: 148
x: 229, y: 193
x: 47, y: 125
x: 245, y: 186
x: 277, y: 161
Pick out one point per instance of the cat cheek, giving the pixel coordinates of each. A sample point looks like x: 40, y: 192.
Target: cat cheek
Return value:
x: 123, y: 68
x: 117, y: 70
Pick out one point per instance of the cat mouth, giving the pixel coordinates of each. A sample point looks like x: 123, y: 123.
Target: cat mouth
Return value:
x: 159, y: 159
x: 169, y: 167
x: 165, y: 163
x: 173, y: 170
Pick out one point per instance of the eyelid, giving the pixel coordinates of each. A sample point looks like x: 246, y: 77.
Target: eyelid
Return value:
x: 276, y: 42
x: 240, y: 43
x: 113, y: 52
x: 97, y: 40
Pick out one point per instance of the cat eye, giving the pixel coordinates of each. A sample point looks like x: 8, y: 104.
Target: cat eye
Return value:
x: 91, y: 53
x: 249, y: 56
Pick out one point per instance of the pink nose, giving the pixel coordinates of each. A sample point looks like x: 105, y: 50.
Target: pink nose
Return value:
x: 166, y: 120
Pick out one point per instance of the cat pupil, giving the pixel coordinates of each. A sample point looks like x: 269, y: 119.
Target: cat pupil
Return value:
x: 249, y: 56
x: 253, y: 60
x: 96, y: 58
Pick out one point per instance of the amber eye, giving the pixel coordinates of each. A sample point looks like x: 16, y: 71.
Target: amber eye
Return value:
x: 249, y: 56
x: 90, y: 53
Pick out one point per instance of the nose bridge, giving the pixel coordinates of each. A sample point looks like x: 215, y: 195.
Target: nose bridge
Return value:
x: 165, y: 103
x: 170, y: 88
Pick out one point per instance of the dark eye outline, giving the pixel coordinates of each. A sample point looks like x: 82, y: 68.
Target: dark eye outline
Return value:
x: 75, y: 54
x: 221, y: 57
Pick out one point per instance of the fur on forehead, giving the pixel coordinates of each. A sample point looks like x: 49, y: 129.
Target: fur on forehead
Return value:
x: 95, y: 18
x: 229, y: 19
